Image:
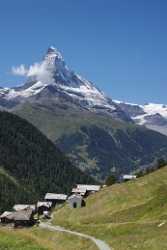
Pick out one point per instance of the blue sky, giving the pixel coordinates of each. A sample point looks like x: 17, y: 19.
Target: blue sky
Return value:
x: 120, y: 45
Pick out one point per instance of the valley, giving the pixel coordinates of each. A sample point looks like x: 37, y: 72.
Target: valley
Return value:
x: 130, y: 215
x: 99, y: 135
x: 83, y: 125
x: 30, y: 164
x: 62, y: 130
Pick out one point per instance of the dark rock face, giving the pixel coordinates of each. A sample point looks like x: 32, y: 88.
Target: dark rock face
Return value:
x: 131, y: 110
x: 156, y: 119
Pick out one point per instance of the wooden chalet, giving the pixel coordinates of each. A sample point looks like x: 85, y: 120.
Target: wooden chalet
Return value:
x: 56, y: 199
x: 23, y: 218
x: 81, y: 191
x: 43, y: 206
x: 84, y: 190
x: 19, y: 218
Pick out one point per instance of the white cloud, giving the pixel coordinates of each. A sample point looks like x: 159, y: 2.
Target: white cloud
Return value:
x: 20, y: 70
x: 41, y: 71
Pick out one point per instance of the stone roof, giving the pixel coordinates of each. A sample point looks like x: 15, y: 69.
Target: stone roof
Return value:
x: 53, y: 196
x: 5, y: 214
x: 81, y: 190
x: 23, y: 215
x: 44, y: 204
x: 89, y: 187
x: 129, y: 177
x: 75, y: 196
x: 19, y: 207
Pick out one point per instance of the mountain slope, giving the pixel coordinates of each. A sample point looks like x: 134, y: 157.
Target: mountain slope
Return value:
x: 10, y: 239
x: 96, y: 132
x: 11, y: 191
x: 128, y: 216
x: 99, y: 145
x: 41, y: 239
x: 32, y: 165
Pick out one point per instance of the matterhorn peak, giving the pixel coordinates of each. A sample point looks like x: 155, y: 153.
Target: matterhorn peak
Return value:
x: 52, y: 49
x: 53, y: 76
x: 53, y: 53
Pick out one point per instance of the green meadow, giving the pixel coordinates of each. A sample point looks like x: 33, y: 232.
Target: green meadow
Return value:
x: 131, y: 215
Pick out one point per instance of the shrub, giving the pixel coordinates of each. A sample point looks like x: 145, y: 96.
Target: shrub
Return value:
x: 110, y: 180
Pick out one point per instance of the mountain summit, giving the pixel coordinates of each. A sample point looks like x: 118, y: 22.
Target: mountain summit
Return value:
x: 98, y: 134
x: 73, y: 85
x: 53, y: 77
x: 53, y: 56
x: 53, y: 51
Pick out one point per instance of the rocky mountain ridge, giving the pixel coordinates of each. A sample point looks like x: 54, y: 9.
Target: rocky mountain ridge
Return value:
x: 99, y: 135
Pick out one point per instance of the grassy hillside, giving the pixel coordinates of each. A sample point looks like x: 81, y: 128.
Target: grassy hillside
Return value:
x: 131, y: 215
x: 10, y: 240
x: 96, y: 143
x: 37, y: 239
x: 31, y: 164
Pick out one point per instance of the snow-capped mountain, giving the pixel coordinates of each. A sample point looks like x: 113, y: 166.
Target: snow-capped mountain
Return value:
x: 53, y: 71
x: 52, y: 79
x: 53, y: 75
x: 78, y: 118
x: 153, y: 116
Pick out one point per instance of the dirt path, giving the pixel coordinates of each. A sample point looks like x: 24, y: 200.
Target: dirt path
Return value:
x: 99, y: 243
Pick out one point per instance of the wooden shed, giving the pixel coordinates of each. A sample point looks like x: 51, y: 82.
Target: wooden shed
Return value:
x: 19, y: 218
